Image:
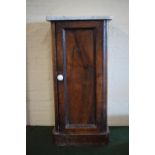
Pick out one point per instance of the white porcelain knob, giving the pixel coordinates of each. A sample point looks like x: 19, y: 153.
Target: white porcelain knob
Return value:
x: 60, y: 77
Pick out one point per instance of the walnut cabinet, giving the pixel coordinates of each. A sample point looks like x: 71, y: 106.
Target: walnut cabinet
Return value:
x: 79, y: 57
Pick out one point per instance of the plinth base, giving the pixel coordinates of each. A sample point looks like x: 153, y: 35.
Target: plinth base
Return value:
x: 80, y: 139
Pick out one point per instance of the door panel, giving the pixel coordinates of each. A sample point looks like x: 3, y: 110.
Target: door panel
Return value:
x: 82, y: 93
x: 80, y: 72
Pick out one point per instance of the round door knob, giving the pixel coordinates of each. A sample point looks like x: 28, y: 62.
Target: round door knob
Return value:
x: 60, y: 77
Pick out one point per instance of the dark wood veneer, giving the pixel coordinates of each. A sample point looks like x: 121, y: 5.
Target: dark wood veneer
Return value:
x: 80, y: 55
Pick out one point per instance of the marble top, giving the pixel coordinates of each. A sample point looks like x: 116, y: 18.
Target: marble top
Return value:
x: 58, y: 18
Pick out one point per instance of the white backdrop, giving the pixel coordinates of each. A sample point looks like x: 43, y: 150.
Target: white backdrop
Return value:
x: 40, y: 107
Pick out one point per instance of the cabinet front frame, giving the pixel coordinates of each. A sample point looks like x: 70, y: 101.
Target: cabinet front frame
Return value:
x: 59, y: 55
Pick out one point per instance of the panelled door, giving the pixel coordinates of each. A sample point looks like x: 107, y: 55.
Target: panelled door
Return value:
x: 80, y: 62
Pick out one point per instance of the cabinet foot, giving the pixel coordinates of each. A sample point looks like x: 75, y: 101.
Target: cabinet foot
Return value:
x: 63, y: 139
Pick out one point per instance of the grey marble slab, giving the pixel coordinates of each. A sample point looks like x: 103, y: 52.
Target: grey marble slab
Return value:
x: 58, y: 18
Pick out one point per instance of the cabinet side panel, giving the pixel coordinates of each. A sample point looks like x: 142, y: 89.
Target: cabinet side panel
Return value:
x: 54, y: 65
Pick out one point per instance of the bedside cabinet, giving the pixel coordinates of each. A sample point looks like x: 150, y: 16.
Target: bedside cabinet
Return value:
x: 79, y: 57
